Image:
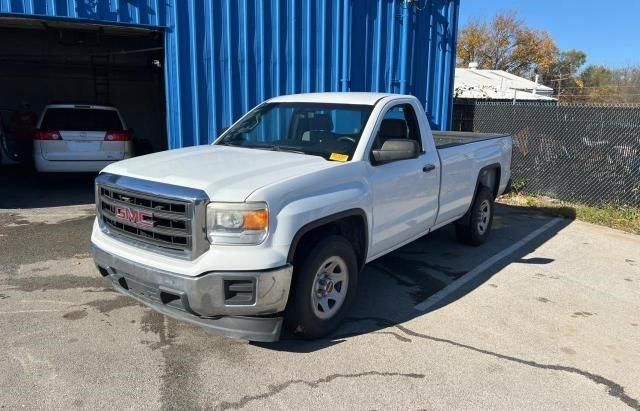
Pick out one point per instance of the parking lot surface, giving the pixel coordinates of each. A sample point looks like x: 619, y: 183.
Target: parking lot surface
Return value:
x: 550, y: 322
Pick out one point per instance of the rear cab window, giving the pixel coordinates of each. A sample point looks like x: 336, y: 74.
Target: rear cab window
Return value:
x: 81, y: 119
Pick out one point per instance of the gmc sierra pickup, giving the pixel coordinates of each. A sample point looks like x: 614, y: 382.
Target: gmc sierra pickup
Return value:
x: 272, y: 223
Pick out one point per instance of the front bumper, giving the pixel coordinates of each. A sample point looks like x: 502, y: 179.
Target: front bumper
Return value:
x: 235, y: 304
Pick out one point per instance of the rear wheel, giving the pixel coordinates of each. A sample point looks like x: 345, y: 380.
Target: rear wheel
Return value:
x: 475, y: 230
x: 323, y: 288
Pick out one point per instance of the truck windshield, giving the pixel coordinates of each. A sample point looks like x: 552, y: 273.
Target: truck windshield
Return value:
x: 331, y: 131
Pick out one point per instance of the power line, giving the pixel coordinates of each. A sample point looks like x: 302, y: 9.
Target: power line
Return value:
x: 599, y: 95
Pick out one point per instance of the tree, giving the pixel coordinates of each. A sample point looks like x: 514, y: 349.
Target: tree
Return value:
x: 598, y: 85
x: 627, y: 80
x: 597, y: 76
x: 601, y: 84
x: 507, y: 44
x: 563, y: 73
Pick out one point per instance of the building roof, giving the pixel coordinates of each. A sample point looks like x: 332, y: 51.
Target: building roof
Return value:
x: 498, y: 85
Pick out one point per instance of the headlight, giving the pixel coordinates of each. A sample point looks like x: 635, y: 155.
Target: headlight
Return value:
x: 237, y: 223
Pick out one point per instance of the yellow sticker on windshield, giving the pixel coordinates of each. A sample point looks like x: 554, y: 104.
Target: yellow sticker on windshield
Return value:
x: 339, y: 157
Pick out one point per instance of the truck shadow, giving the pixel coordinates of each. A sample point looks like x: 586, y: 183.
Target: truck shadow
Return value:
x: 391, y: 287
x: 22, y: 187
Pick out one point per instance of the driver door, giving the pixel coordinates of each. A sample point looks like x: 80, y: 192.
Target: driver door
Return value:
x: 405, y: 192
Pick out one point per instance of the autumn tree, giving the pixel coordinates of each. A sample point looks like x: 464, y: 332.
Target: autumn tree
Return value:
x: 506, y: 43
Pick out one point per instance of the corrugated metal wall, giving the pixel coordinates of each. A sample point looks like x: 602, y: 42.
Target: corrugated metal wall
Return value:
x: 225, y: 56
x: 139, y: 12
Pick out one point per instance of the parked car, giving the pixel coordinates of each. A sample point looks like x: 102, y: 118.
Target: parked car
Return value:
x: 273, y: 223
x: 80, y: 138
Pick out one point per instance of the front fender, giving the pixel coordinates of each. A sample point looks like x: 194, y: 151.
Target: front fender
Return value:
x: 302, y: 212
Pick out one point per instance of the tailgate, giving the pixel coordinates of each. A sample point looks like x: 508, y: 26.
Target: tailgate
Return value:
x: 83, y: 146
x: 82, y: 131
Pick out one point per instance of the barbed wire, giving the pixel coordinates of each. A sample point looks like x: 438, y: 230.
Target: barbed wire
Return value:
x: 599, y: 95
x: 608, y: 86
x: 555, y: 103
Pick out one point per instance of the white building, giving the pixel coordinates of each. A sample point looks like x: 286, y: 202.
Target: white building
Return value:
x: 476, y: 84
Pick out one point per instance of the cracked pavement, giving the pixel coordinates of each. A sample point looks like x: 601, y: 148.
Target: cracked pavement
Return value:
x: 554, y: 325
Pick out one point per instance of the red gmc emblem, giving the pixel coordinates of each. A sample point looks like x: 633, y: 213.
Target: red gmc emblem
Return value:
x: 138, y: 217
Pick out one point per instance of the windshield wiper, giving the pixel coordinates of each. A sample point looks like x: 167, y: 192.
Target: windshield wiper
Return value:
x: 259, y: 146
x: 288, y: 149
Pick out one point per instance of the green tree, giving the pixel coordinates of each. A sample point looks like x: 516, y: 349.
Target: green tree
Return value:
x: 597, y: 76
x: 563, y: 73
x: 598, y: 85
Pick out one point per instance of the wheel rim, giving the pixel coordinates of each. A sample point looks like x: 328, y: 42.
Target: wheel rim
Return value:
x: 330, y: 286
x: 485, y: 216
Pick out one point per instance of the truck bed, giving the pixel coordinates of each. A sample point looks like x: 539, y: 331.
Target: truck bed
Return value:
x: 446, y: 139
x: 463, y: 156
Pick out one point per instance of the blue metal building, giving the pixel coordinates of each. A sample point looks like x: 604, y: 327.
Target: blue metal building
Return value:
x: 223, y: 57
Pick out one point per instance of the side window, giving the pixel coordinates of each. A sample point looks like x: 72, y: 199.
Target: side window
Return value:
x: 399, y: 122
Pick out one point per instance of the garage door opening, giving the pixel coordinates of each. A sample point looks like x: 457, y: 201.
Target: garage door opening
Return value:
x: 53, y: 62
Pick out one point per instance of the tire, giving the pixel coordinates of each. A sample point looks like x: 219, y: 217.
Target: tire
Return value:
x: 476, y: 228
x: 310, y: 315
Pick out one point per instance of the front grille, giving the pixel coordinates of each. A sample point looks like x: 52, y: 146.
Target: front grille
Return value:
x: 152, y: 219
x: 169, y: 226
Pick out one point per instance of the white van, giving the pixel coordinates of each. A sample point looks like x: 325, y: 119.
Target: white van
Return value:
x: 80, y: 138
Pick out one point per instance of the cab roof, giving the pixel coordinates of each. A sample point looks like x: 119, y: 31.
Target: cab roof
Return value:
x: 356, y: 98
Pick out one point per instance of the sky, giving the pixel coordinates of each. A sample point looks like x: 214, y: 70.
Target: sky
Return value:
x: 608, y: 31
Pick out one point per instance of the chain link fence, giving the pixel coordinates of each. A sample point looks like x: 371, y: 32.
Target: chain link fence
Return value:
x: 579, y: 153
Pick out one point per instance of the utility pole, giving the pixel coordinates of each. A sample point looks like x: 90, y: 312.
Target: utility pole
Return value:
x: 559, y: 87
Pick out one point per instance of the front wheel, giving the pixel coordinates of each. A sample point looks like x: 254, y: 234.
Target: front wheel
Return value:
x: 323, y: 288
x: 475, y: 230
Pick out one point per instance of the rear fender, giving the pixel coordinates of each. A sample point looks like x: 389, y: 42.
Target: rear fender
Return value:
x: 488, y: 176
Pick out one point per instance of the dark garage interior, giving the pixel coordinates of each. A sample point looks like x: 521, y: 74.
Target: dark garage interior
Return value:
x: 45, y: 62
x: 63, y: 62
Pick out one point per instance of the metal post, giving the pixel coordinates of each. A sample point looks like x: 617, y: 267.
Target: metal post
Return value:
x: 346, y: 34
x: 404, y: 40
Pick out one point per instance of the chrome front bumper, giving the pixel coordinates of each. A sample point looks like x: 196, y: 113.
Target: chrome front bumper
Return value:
x: 236, y: 304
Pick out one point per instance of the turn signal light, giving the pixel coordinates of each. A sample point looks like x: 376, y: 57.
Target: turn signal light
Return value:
x: 256, y: 220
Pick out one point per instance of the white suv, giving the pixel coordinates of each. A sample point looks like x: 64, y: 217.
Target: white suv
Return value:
x: 80, y: 138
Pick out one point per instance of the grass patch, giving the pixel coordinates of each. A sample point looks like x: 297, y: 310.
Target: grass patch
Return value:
x: 620, y: 217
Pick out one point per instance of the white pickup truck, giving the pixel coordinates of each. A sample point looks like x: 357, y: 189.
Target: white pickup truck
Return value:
x: 273, y: 222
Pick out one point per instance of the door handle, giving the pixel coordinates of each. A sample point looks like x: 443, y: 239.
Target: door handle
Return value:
x: 428, y: 167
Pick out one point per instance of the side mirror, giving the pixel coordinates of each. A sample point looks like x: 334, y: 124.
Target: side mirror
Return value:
x: 396, y: 149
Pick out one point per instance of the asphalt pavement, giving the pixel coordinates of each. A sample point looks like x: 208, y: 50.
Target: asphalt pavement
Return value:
x: 551, y: 322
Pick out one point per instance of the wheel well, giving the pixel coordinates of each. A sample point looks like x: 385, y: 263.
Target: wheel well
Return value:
x: 490, y: 177
x: 353, y: 227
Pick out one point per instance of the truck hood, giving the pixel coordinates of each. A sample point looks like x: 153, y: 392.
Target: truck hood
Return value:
x: 224, y: 173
